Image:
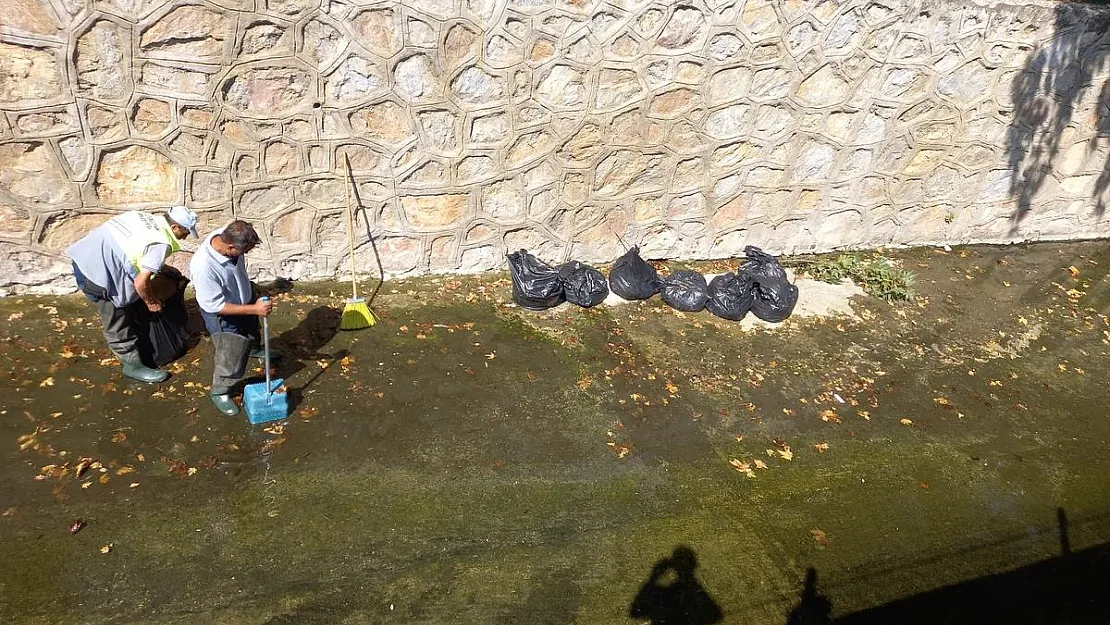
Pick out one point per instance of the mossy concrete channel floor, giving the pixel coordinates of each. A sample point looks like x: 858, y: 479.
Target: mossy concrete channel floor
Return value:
x: 466, y: 461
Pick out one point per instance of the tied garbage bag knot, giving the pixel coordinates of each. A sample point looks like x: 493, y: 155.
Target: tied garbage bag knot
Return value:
x: 685, y: 290
x: 730, y: 296
x: 632, y: 278
x: 536, y: 285
x: 582, y: 284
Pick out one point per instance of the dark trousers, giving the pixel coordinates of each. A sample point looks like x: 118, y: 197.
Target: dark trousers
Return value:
x: 119, y: 323
x: 243, y: 325
x: 232, y: 338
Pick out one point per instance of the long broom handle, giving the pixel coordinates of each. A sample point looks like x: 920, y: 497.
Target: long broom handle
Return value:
x: 350, y: 224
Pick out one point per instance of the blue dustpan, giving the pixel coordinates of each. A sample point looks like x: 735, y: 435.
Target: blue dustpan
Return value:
x: 260, y: 400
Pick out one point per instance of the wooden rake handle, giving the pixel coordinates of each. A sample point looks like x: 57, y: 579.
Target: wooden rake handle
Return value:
x: 350, y: 224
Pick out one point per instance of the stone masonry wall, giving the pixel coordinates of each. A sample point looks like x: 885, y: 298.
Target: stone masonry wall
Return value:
x: 476, y: 127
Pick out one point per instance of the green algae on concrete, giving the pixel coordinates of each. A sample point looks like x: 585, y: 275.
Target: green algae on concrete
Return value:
x: 467, y: 461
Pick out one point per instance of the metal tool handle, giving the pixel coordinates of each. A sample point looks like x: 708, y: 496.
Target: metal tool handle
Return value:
x: 266, y: 348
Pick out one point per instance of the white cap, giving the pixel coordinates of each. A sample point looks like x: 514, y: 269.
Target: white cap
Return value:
x: 185, y: 218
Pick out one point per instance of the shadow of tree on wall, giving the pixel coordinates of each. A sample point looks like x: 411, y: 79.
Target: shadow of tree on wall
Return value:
x: 1048, y: 95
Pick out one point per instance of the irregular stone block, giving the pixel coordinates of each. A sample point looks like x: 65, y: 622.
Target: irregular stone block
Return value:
x: 29, y: 270
x: 624, y: 47
x: 209, y: 187
x: 293, y: 227
x: 261, y: 202
x: 583, y: 147
x: 188, y: 149
x: 434, y: 211
x: 771, y: 83
x: 188, y: 33
x: 760, y: 19
x: 135, y: 175
x: 380, y: 30
x: 801, y: 38
x: 15, y: 223
x: 562, y: 87
x: 28, y: 74
x: 504, y: 201
x: 967, y: 84
x: 475, y: 168
x: 386, y: 121
x: 416, y: 78
x: 475, y: 86
x: 355, y: 79
x: 78, y: 156
x: 269, y: 91
x: 282, y: 159
x: 28, y: 17
x: 725, y: 46
x: 626, y: 172
x: 429, y: 174
x: 617, y: 88
x: 32, y: 175
x: 825, y: 87
x: 481, y: 258
x: 177, y: 80
x: 728, y: 85
x: 105, y: 125
x: 265, y: 37
x: 731, y: 121
x: 323, y: 43
x: 729, y: 157
x: 440, y: 129
x: 323, y: 192
x: 291, y: 7
x: 685, y: 29
x: 674, y: 103
x: 152, y: 117
x: 47, y: 123
x: 246, y: 169
x: 922, y: 162
x: 528, y: 148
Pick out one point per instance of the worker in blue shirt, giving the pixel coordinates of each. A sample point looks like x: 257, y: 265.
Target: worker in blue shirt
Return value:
x: 230, y: 306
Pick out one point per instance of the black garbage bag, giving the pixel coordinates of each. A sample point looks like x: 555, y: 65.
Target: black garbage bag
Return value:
x: 730, y: 296
x: 163, y: 336
x: 761, y: 266
x: 632, y: 277
x: 685, y: 290
x: 582, y: 284
x: 774, y: 301
x: 536, y: 285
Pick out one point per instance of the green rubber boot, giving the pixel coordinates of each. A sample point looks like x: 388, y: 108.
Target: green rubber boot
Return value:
x: 136, y: 370
x: 225, y: 404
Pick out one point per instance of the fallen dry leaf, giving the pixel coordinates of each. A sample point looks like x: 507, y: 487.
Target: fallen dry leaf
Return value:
x: 906, y: 421
x: 106, y: 548
x: 821, y: 537
x: 742, y: 467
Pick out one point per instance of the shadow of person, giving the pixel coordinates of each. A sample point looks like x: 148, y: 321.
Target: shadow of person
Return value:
x: 814, y: 608
x: 304, y: 342
x: 673, y: 596
x: 313, y: 332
